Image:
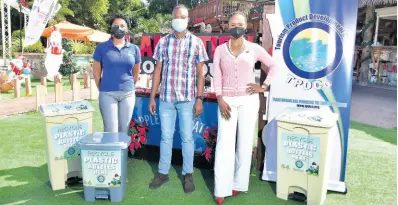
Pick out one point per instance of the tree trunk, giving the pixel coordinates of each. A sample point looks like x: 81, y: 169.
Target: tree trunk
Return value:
x: 368, y: 32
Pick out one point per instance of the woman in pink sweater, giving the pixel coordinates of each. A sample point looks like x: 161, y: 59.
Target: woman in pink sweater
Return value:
x: 238, y: 100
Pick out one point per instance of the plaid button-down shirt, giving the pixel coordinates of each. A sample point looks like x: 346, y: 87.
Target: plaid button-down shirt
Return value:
x: 179, y: 58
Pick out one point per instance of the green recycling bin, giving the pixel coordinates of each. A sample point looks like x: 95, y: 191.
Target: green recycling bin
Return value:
x: 66, y: 124
x: 104, y: 165
x: 304, y: 154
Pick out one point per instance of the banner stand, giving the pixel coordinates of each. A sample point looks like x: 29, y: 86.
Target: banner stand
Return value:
x: 318, y: 77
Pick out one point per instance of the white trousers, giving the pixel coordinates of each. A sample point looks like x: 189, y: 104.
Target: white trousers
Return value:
x: 232, y: 166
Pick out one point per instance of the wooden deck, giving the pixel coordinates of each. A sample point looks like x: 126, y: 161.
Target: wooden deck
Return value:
x: 216, y: 12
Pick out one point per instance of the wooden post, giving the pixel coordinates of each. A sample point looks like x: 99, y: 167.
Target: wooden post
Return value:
x: 378, y: 67
x: 366, y: 51
x: 93, y: 90
x: 43, y: 82
x: 58, y: 89
x: 267, y: 44
x: 355, y: 70
x: 40, y: 95
x: 17, y: 88
x: 75, y: 82
x: 86, y: 80
x: 72, y: 79
x: 28, y: 86
x: 76, y: 91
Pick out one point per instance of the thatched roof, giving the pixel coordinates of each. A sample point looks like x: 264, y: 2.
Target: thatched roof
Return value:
x: 365, y: 3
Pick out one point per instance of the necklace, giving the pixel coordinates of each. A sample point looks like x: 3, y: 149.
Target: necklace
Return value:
x: 242, y: 48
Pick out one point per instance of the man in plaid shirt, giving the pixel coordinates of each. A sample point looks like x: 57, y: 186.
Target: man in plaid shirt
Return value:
x: 180, y: 58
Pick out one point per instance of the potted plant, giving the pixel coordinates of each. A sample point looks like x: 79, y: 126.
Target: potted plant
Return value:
x: 138, y: 133
x: 68, y: 67
x: 210, y: 137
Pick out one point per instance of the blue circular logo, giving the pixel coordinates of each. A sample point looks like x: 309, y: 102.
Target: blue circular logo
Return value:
x: 101, y: 178
x: 299, y: 164
x: 312, y: 50
x: 71, y: 151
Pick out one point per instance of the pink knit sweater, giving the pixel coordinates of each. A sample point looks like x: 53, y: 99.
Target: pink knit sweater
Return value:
x: 232, y: 74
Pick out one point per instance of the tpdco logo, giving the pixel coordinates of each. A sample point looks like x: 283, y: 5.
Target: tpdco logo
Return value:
x: 312, y: 48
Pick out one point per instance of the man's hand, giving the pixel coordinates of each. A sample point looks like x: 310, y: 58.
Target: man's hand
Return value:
x: 152, y: 106
x: 198, y: 109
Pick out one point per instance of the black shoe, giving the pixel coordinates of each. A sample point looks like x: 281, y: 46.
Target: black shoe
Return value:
x: 189, y: 185
x: 158, y: 181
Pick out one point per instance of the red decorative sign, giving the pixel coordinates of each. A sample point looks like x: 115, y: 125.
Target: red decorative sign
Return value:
x: 24, y: 3
x: 198, y: 20
x: 255, y: 15
x: 211, y: 41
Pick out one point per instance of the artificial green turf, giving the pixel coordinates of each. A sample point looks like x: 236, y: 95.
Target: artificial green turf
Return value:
x: 387, y: 135
x: 371, y: 172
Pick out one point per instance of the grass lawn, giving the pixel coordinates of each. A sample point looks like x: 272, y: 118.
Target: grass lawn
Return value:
x: 34, y: 82
x: 371, y: 172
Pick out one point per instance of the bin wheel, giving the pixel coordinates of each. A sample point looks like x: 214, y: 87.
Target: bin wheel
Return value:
x: 346, y: 190
x: 296, y: 196
x: 73, y: 181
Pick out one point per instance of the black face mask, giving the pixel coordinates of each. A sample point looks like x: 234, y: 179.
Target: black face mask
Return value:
x: 237, y: 32
x: 117, y: 32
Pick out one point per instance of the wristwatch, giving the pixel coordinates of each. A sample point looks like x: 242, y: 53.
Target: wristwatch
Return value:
x: 199, y: 97
x: 265, y: 87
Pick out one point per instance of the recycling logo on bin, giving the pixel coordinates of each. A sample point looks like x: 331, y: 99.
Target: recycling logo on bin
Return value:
x: 101, y: 178
x: 71, y: 151
x: 299, y: 164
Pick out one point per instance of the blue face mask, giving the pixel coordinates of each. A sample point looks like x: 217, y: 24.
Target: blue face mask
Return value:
x: 179, y: 25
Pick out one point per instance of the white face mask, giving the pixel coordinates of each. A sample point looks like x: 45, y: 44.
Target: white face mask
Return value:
x: 179, y: 25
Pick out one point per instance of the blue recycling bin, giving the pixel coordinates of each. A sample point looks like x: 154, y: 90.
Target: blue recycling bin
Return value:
x: 104, y: 165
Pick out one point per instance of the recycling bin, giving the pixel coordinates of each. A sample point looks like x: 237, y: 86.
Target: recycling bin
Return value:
x: 104, y: 165
x: 304, y: 154
x: 66, y: 124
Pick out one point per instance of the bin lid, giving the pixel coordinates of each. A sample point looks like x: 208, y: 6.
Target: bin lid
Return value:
x: 314, y: 118
x: 66, y: 108
x: 100, y: 139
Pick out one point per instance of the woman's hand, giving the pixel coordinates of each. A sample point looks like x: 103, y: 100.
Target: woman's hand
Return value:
x: 254, y: 88
x: 136, y: 72
x: 224, y: 109
x: 97, y: 71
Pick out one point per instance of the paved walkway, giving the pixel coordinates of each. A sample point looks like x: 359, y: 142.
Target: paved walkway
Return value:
x: 26, y: 104
x: 386, y: 87
x: 374, y: 106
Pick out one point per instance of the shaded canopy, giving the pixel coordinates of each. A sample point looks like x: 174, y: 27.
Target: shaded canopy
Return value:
x: 75, y: 32
x: 366, y: 3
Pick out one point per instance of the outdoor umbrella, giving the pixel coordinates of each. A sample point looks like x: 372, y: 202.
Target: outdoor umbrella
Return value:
x: 98, y: 36
x: 70, y: 31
